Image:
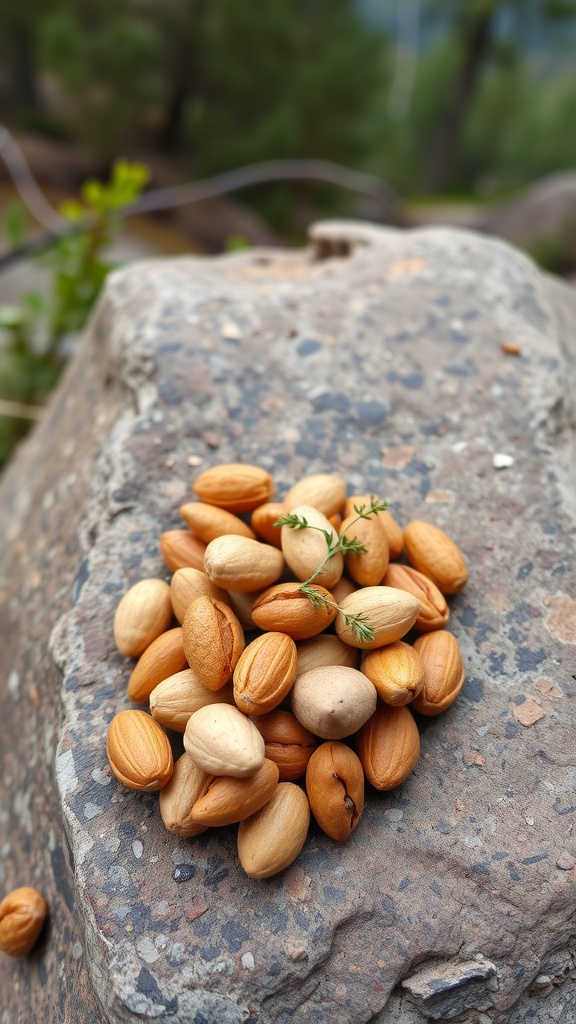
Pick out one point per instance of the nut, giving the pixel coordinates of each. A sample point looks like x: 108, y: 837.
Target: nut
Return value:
x: 180, y: 549
x: 432, y: 552
x: 366, y: 568
x: 286, y: 609
x: 238, y: 563
x: 209, y: 522
x: 443, y: 671
x: 325, y: 649
x: 178, y: 797
x: 287, y: 743
x: 222, y: 741
x: 263, y: 519
x: 388, y: 746
x: 391, y: 528
x: 305, y: 548
x: 188, y: 584
x: 265, y: 673
x: 144, y: 613
x: 22, y: 914
x: 434, y: 612
x: 324, y: 491
x: 227, y: 800
x: 396, y: 671
x: 389, y: 611
x: 161, y: 659
x: 334, y: 701
x: 235, y: 487
x: 241, y: 605
x: 270, y: 839
x: 138, y: 751
x: 213, y: 641
x: 181, y: 695
x: 335, y: 788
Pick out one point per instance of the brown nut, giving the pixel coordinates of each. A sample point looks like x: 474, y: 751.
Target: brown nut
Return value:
x: 180, y: 549
x: 144, y: 613
x: 238, y: 563
x: 434, y: 612
x: 209, y: 521
x: 178, y: 797
x: 138, y: 751
x: 271, y: 839
x: 325, y: 649
x: 333, y: 702
x: 263, y: 519
x: 227, y: 800
x: 368, y: 567
x: 176, y: 698
x: 161, y: 659
x: 443, y: 672
x: 188, y: 584
x: 390, y: 613
x: 286, y: 742
x: 432, y: 552
x: 213, y: 641
x: 222, y: 741
x: 22, y: 915
x: 306, y: 548
x: 324, y: 491
x: 286, y: 609
x: 265, y: 673
x: 396, y: 671
x: 389, y: 524
x: 388, y: 746
x: 335, y: 788
x: 235, y: 487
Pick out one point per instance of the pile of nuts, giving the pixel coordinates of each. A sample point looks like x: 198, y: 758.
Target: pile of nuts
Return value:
x: 294, y: 720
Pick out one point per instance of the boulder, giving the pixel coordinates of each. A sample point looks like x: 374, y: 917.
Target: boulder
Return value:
x: 411, y: 363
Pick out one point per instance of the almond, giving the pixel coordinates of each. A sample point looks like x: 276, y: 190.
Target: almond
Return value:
x: 432, y: 552
x: 335, y: 788
x: 227, y: 800
x: 22, y: 915
x: 178, y: 797
x: 144, y: 613
x: 388, y: 746
x: 389, y: 524
x: 271, y: 839
x: 443, y: 671
x: 188, y: 584
x: 286, y: 742
x: 138, y: 751
x: 396, y: 671
x: 222, y: 741
x: 324, y: 491
x: 180, y: 548
x: 238, y: 563
x: 390, y: 612
x: 265, y: 673
x: 333, y: 702
x: 286, y: 609
x: 434, y: 612
x: 241, y: 605
x: 343, y: 589
x: 213, y: 641
x: 161, y: 659
x: 176, y: 698
x: 235, y: 487
x: 367, y: 567
x: 209, y: 522
x: 305, y: 548
x: 263, y: 519
x: 325, y: 650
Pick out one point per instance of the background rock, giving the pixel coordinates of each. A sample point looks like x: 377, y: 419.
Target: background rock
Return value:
x: 388, y: 366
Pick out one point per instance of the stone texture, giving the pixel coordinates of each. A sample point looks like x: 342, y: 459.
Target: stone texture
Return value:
x: 454, y: 898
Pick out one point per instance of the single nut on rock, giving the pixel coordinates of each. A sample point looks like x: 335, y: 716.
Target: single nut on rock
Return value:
x: 176, y: 698
x: 396, y: 671
x: 222, y: 741
x: 265, y: 673
x: 324, y: 491
x: 161, y: 659
x: 305, y: 548
x: 286, y: 742
x: 335, y: 788
x: 324, y: 650
x: 390, y: 526
x: 367, y: 567
x: 209, y: 521
x: 238, y: 563
x: 263, y: 519
x: 180, y: 549
x: 432, y: 552
x: 434, y: 612
x: 333, y: 702
x: 138, y: 751
x: 271, y: 839
x: 22, y: 915
x: 235, y: 487
x: 227, y: 800
x: 144, y: 613
x: 187, y: 584
x: 286, y: 609
x: 441, y: 659
x: 178, y: 797
x: 388, y: 746
x: 390, y: 613
x: 213, y: 641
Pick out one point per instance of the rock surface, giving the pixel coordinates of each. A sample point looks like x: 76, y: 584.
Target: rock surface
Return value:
x: 454, y: 898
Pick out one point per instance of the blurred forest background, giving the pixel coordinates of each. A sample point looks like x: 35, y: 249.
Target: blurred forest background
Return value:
x: 459, y: 105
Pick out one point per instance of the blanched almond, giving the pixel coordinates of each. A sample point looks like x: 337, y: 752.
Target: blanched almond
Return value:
x: 176, y: 698
x: 390, y: 613
x: 333, y: 702
x: 222, y: 741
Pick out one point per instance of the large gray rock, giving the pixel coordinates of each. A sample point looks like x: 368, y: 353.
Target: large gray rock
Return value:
x: 454, y: 899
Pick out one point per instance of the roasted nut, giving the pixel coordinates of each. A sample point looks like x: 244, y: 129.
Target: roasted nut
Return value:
x: 271, y: 839
x: 335, y: 788
x: 222, y: 741
x: 325, y: 650
x: 432, y: 552
x: 388, y: 746
x: 265, y: 673
x: 188, y: 584
x: 443, y: 672
x: 235, y: 487
x: 263, y: 519
x: 389, y: 611
x: 161, y: 659
x: 209, y: 522
x: 284, y: 608
x: 434, y: 612
x: 287, y: 743
x: 180, y: 549
x: 238, y: 563
x: 324, y: 491
x: 227, y: 800
x: 213, y: 641
x: 396, y: 671
x: 138, y: 751
x: 178, y: 797
x: 181, y: 695
x: 305, y: 548
x: 144, y: 613
x: 22, y: 914
x: 366, y: 568
x: 333, y: 702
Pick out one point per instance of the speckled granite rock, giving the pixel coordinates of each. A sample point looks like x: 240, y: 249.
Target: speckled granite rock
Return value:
x: 455, y: 897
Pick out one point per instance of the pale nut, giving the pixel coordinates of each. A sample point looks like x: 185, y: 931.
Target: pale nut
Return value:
x: 305, y: 548
x: 286, y: 609
x: 222, y: 741
x: 138, y: 751
x: 178, y: 797
x: 333, y: 702
x: 144, y: 613
x: 227, y: 800
x: 213, y: 641
x: 22, y: 915
x: 443, y: 672
x: 265, y: 673
x: 391, y: 529
x: 235, y: 486
x: 343, y: 589
x: 161, y: 659
x: 390, y: 613
x: 366, y: 567
x: 263, y: 519
x: 238, y: 563
x: 187, y: 584
x: 432, y: 552
x: 209, y: 521
x: 180, y: 549
x: 241, y: 605
x: 396, y: 671
x: 388, y: 746
x: 324, y: 491
x: 324, y: 650
x: 181, y: 695
x: 286, y: 742
x: 434, y: 612
x: 335, y: 788
x: 271, y: 839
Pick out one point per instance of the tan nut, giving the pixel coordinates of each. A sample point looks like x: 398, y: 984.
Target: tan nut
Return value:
x: 144, y: 613
x: 263, y: 520
x: 324, y: 491
x: 271, y: 839
x: 176, y: 698
x: 238, y: 563
x: 434, y: 612
x: 325, y: 650
x: 335, y: 788
x: 188, y: 584
x: 178, y: 797
x: 388, y: 746
x: 287, y: 743
x: 213, y: 641
x: 22, y: 915
x: 306, y: 548
x: 367, y: 567
x: 227, y: 800
x: 235, y: 486
x: 222, y: 741
x: 265, y: 673
x: 209, y: 521
x: 161, y: 659
x: 180, y: 549
x: 432, y: 552
x: 138, y: 751
x: 390, y: 613
x: 443, y: 671
x: 389, y: 524
x: 396, y: 671
x: 286, y: 609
